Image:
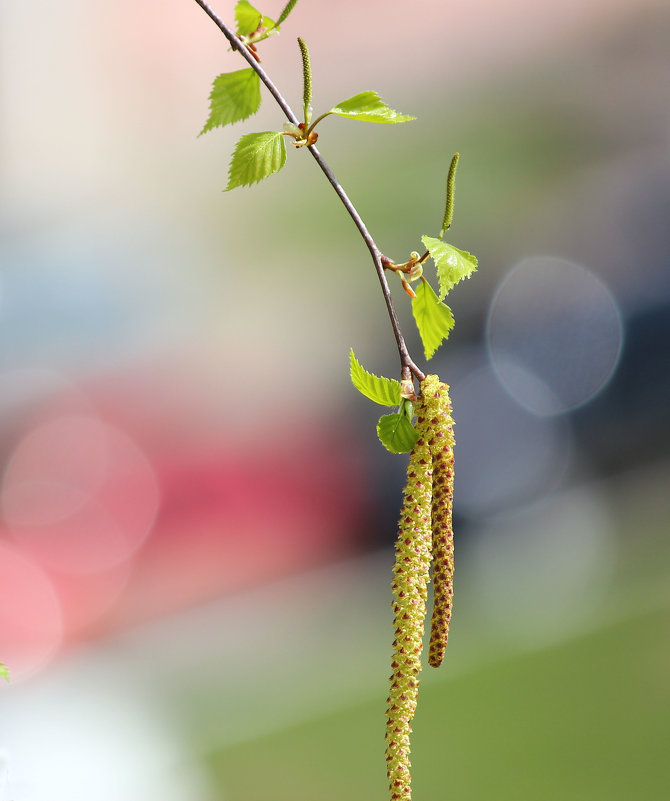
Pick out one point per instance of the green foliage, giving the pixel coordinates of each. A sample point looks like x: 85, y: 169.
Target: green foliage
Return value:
x: 256, y: 156
x: 453, y: 265
x: 235, y: 96
x: 433, y: 318
x: 252, y: 26
x: 396, y: 432
x: 4, y: 672
x: 368, y: 107
x: 247, y: 18
x: 384, y: 391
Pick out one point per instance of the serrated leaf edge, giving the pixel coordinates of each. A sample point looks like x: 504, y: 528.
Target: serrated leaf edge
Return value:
x: 253, y: 9
x: 389, y: 385
x: 207, y: 127
x: 354, y: 114
x: 431, y: 294
x: 447, y: 286
x: 262, y: 177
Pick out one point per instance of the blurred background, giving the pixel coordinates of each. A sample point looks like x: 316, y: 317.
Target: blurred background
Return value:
x: 196, y: 518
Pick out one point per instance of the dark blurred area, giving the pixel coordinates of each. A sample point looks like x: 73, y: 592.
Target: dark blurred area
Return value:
x: 196, y: 516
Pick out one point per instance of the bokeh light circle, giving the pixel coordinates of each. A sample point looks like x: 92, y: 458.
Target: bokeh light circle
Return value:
x: 554, y: 334
x: 79, y: 494
x: 30, y: 617
x: 549, y: 561
x: 506, y: 456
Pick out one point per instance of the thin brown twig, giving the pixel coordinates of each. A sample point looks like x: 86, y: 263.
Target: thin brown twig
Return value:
x: 408, y: 367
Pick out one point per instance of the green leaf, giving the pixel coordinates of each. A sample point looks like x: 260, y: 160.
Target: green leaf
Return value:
x: 396, y: 433
x: 385, y: 391
x: 368, y: 107
x: 433, y: 318
x: 256, y: 156
x: 453, y: 265
x: 4, y: 672
x: 268, y: 23
x: 234, y: 97
x: 247, y: 18
x: 286, y: 11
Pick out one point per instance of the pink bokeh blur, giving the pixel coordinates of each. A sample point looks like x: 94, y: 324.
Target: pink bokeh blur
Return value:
x: 182, y: 458
x: 143, y: 470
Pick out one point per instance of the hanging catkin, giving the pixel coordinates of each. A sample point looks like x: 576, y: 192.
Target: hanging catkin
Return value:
x: 437, y: 408
x: 411, y: 571
x: 425, y: 533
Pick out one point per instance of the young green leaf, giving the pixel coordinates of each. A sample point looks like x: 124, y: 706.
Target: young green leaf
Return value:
x: 256, y: 156
x: 433, y: 318
x: 4, y: 672
x: 247, y: 18
x: 368, y: 107
x: 234, y: 97
x: 385, y: 391
x: 453, y: 265
x: 396, y: 433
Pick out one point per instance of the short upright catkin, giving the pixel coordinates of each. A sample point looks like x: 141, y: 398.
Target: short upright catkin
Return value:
x: 425, y: 532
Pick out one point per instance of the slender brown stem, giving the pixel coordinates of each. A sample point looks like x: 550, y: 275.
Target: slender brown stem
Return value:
x: 238, y: 44
x: 408, y: 367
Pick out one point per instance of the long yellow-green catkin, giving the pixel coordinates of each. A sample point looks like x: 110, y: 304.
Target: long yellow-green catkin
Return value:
x: 437, y: 409
x: 425, y: 534
x: 410, y: 579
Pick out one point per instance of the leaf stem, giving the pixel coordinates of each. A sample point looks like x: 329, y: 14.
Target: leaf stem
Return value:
x: 408, y: 367
x: 317, y: 121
